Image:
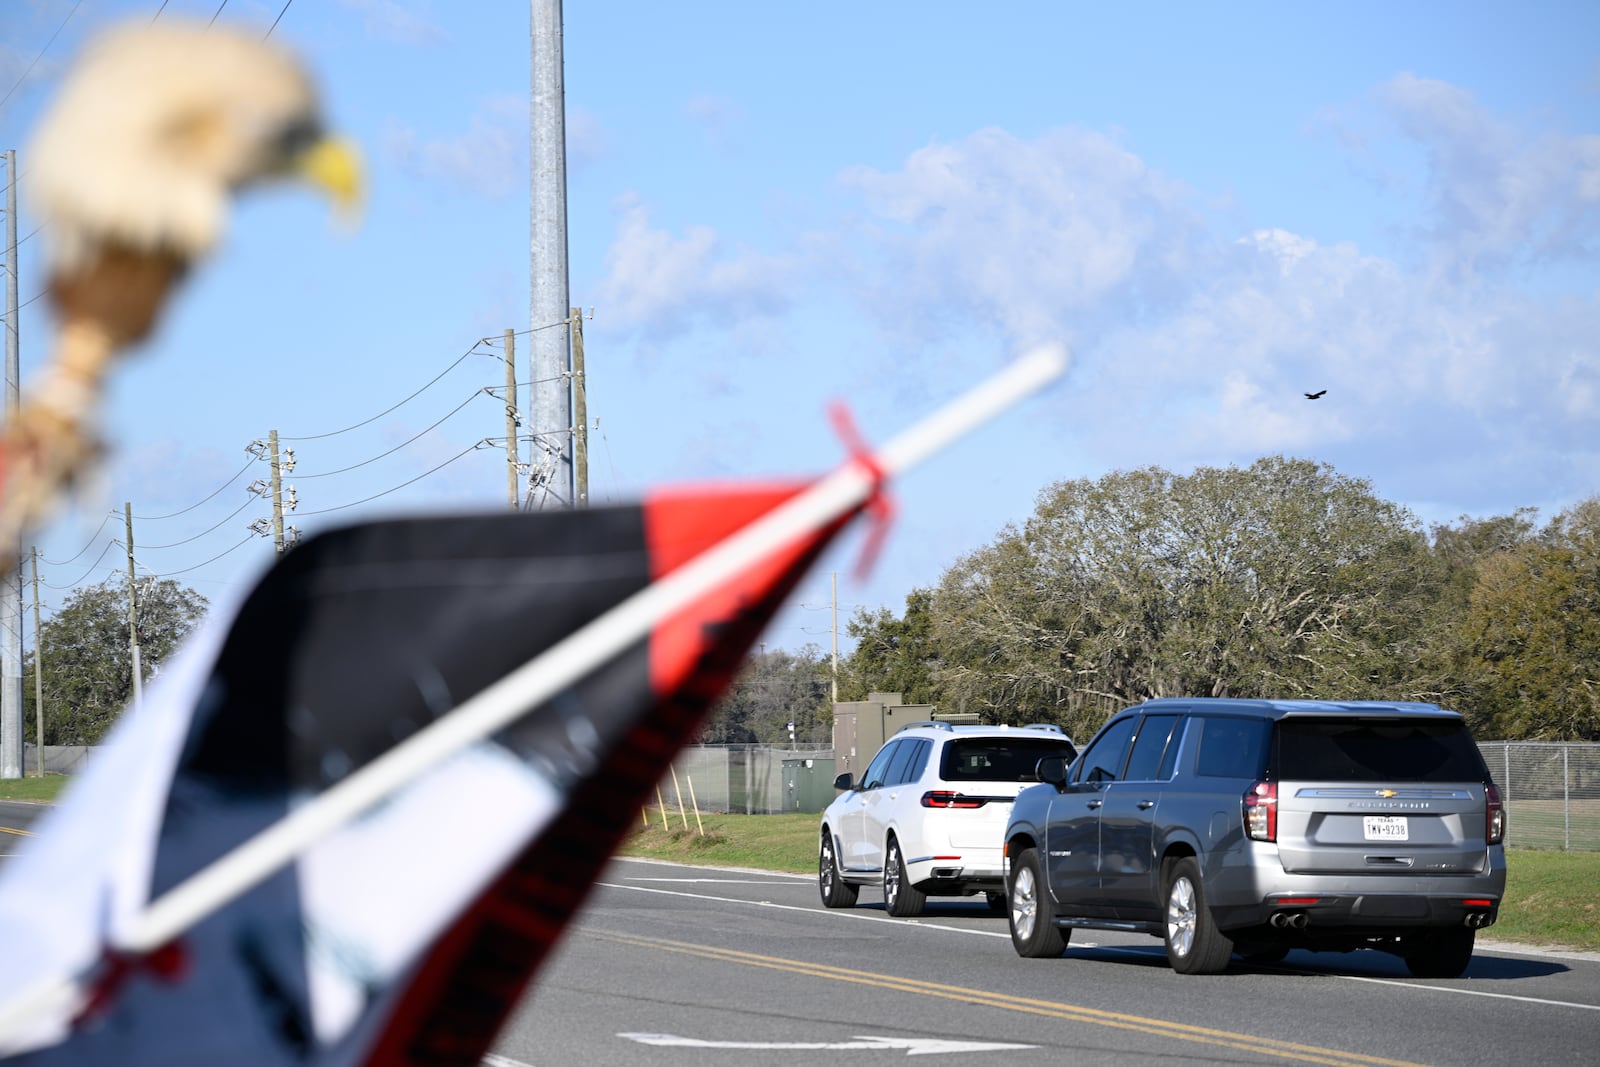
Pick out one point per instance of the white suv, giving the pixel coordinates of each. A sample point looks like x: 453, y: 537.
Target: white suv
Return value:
x: 928, y: 816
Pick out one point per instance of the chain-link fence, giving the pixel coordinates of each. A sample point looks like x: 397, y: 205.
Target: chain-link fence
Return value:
x: 1551, y: 792
x: 748, y: 779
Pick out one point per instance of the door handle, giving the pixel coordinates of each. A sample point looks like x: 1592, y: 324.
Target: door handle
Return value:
x: 1094, y: 805
x: 1146, y: 805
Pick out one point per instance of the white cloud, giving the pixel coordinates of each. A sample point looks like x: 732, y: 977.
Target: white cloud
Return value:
x: 1033, y: 235
x: 718, y: 116
x: 488, y: 159
x: 1496, y: 196
x: 658, y: 283
x: 393, y: 21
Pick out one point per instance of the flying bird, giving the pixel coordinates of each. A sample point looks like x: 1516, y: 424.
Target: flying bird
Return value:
x: 131, y: 171
x: 1316, y: 395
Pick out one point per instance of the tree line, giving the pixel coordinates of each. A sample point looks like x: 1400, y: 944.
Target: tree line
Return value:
x: 1281, y: 579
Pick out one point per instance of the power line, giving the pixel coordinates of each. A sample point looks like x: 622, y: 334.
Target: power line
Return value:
x: 277, y: 20
x: 402, y: 444
x: 191, y: 507
x: 213, y: 559
x: 91, y: 570
x: 381, y: 414
x: 248, y: 501
x: 340, y: 507
x: 85, y: 548
x: 215, y: 13
x: 42, y: 51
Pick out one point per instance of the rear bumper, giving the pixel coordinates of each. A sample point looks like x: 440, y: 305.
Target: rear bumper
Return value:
x: 974, y: 870
x: 1255, y: 891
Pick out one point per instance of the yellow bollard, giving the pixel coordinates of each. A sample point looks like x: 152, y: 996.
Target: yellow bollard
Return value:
x: 696, y: 804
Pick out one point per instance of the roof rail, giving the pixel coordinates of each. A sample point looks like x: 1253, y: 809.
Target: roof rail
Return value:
x: 1050, y: 726
x: 928, y: 722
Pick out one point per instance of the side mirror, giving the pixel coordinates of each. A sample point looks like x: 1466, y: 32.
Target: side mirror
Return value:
x: 1052, y: 770
x: 844, y: 781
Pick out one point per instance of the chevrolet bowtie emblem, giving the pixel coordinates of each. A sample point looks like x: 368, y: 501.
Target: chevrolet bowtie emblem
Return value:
x: 1387, y: 793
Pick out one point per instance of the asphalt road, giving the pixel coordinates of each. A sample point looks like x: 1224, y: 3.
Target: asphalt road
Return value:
x: 704, y: 967
x: 681, y: 965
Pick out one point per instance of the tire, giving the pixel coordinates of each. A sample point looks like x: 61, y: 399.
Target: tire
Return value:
x: 900, y: 898
x: 1034, y: 933
x: 1194, y: 944
x: 998, y: 904
x: 836, y: 892
x: 1439, y: 953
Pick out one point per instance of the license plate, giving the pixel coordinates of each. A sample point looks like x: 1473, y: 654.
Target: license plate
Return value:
x: 1384, y: 827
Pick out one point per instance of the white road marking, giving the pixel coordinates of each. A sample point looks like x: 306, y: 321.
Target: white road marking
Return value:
x: 914, y: 1046
x: 920, y: 924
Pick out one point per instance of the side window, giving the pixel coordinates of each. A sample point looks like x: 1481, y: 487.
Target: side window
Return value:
x: 1169, y: 761
x: 1107, y: 753
x: 873, y: 776
x: 1232, y: 748
x: 919, y: 762
x: 1150, y: 747
x: 901, y: 763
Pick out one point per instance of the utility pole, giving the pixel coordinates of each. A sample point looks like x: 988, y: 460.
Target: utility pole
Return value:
x: 277, y: 493
x: 550, y: 405
x: 133, y: 612
x: 11, y: 584
x: 511, y: 417
x: 38, y: 671
x: 580, y: 419
x: 273, y: 488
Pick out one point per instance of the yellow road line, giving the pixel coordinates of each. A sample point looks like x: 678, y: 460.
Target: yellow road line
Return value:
x: 14, y: 830
x: 1052, y: 1009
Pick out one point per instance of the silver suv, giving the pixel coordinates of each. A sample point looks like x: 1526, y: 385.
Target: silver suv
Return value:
x: 927, y: 815
x: 1258, y: 826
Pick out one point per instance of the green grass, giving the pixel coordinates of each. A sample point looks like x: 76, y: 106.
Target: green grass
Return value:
x: 1549, y: 895
x: 33, y: 788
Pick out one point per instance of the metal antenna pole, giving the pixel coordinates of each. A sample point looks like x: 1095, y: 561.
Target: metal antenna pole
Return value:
x: 550, y: 407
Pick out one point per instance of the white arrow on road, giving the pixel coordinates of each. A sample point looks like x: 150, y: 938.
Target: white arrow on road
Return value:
x: 914, y: 1046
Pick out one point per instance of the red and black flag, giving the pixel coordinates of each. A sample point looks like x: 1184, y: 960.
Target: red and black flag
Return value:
x: 406, y: 936
x: 355, y: 814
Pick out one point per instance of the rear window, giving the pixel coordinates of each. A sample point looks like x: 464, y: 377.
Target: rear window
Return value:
x: 1367, y: 750
x: 998, y: 759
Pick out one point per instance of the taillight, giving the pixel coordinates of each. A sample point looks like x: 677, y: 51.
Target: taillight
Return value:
x: 1261, y: 811
x: 1494, y: 823
x: 945, y: 798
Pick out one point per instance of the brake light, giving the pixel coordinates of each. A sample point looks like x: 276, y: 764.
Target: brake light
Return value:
x: 1261, y: 811
x: 945, y: 798
x: 1494, y: 823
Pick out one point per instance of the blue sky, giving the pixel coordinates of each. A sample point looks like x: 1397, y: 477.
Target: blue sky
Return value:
x: 775, y: 205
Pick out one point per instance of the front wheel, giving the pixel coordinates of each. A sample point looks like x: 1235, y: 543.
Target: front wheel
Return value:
x: 1034, y: 933
x: 1194, y: 944
x: 836, y: 892
x: 900, y: 898
x: 1440, y: 954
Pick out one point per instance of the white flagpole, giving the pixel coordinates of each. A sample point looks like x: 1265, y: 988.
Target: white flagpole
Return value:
x: 558, y: 667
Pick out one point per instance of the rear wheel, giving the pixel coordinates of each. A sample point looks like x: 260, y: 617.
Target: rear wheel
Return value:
x: 1439, y: 953
x: 836, y: 892
x: 997, y: 902
x: 1194, y: 944
x: 900, y: 898
x: 1034, y: 933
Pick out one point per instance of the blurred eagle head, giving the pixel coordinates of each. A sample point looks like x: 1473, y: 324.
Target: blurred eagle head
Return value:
x: 131, y: 172
x: 153, y: 130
